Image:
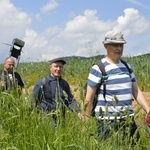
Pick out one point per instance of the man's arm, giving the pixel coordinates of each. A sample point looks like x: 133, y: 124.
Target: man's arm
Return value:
x: 37, y: 92
x: 20, y: 82
x: 23, y: 90
x: 140, y: 98
x: 88, y: 102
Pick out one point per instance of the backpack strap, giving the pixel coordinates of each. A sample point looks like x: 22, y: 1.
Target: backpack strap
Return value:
x: 104, y: 77
x: 43, y: 82
x: 102, y: 81
x: 43, y: 87
x: 125, y: 63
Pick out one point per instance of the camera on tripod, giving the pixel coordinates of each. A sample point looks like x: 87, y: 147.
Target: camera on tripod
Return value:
x: 16, y: 48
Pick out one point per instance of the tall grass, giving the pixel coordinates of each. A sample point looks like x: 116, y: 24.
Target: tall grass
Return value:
x: 76, y: 71
x: 24, y: 127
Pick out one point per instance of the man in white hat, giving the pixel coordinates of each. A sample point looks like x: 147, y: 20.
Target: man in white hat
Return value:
x: 113, y: 109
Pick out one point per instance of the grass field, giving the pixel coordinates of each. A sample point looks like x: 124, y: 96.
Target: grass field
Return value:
x: 23, y: 127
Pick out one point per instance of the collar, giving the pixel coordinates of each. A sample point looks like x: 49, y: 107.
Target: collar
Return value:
x: 51, y: 78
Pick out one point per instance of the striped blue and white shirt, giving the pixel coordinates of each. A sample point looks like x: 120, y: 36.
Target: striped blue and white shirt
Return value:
x: 118, y: 98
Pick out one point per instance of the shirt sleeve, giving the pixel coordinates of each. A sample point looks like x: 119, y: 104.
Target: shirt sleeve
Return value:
x: 19, y: 79
x: 37, y: 92
x: 95, y: 76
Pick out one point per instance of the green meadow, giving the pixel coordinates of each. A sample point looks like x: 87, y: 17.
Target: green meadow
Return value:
x: 24, y: 127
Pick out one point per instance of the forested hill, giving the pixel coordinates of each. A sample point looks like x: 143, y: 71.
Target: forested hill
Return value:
x: 101, y: 56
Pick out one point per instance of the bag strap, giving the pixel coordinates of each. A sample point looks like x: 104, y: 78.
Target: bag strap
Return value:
x: 43, y: 87
x: 102, y: 81
x: 101, y: 67
x: 104, y: 77
x: 125, y: 63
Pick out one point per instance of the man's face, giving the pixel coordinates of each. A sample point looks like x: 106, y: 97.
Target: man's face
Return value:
x: 114, y: 50
x: 9, y: 65
x: 56, y: 69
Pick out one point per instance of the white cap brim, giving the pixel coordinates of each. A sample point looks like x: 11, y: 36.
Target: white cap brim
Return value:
x: 108, y: 41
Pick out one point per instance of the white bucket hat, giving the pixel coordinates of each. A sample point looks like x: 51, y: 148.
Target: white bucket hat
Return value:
x: 114, y: 38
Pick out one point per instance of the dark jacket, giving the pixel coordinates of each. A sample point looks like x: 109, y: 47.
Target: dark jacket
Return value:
x: 10, y: 80
x: 54, y: 92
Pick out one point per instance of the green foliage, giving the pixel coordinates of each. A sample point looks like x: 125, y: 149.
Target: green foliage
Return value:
x: 31, y: 72
x: 76, y: 70
x: 141, y: 68
x: 24, y: 127
x: 27, y: 128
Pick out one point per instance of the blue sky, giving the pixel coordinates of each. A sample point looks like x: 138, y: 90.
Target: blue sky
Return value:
x: 55, y: 28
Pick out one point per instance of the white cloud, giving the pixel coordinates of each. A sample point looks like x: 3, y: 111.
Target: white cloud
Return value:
x: 49, y: 6
x: 38, y: 17
x: 13, y: 25
x: 13, y: 22
x: 82, y: 35
x: 139, y: 4
x: 132, y: 22
x: 86, y: 28
x: 89, y: 49
x: 89, y: 22
x: 34, y: 40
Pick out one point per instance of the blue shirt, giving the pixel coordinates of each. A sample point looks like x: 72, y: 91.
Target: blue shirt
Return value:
x: 56, y: 91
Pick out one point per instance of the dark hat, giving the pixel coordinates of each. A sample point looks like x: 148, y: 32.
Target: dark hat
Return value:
x: 57, y: 60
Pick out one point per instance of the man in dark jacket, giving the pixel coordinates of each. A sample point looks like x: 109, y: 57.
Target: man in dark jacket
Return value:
x: 52, y: 92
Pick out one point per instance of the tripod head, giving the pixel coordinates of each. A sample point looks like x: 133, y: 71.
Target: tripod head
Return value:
x: 16, y: 48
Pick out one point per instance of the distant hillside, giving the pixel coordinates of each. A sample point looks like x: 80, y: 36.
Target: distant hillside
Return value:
x: 81, y: 57
x: 99, y: 56
x: 147, y: 54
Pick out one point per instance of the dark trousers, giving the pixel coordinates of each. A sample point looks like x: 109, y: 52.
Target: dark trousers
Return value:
x: 127, y: 127
x: 58, y: 116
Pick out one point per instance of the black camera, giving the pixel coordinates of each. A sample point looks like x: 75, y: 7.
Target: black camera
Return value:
x: 16, y: 48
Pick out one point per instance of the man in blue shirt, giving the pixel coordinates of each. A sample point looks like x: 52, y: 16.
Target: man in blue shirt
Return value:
x: 53, y: 93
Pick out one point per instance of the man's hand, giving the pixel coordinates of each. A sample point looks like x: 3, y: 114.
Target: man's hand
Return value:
x: 81, y: 116
x: 148, y: 119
